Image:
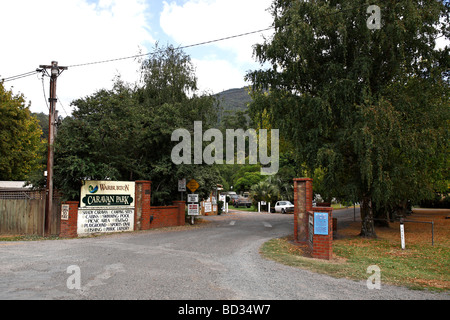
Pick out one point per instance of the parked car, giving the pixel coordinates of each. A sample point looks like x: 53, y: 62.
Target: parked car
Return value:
x: 284, y: 207
x: 233, y: 198
x: 243, y: 201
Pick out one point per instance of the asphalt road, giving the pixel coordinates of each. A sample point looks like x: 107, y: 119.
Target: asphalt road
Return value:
x: 216, y: 261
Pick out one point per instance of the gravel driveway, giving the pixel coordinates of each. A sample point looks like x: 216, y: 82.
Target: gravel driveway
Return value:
x: 219, y: 260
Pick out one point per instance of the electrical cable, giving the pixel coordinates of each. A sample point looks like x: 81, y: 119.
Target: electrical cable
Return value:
x: 45, y: 96
x: 19, y: 76
x: 204, y: 42
x: 59, y: 100
x: 179, y: 48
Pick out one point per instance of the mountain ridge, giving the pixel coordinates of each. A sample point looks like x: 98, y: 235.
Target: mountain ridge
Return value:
x: 235, y: 99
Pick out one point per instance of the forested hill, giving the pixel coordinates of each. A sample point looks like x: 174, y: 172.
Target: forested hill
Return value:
x: 234, y: 99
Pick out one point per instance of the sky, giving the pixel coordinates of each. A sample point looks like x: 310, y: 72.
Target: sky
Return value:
x: 74, y: 32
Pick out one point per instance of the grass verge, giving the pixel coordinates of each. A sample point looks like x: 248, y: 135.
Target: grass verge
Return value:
x: 420, y: 266
x: 26, y: 238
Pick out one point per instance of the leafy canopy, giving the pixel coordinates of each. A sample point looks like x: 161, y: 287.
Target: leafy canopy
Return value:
x: 125, y: 133
x: 370, y: 108
x: 20, y: 143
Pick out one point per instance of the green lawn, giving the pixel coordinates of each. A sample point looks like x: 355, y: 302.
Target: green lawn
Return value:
x: 252, y: 208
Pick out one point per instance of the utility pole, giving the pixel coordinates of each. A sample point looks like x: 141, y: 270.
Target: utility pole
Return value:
x: 55, y: 71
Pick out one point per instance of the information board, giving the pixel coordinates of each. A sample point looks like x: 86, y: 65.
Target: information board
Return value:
x: 192, y: 197
x: 65, y: 212
x: 311, y: 230
x: 321, y: 223
x: 104, y: 220
x: 107, y: 194
x: 182, y: 185
x: 193, y: 209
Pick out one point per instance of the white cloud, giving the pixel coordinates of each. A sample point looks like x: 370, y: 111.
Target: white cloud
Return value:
x: 442, y: 42
x: 217, y: 75
x: 197, y: 21
x: 70, y: 32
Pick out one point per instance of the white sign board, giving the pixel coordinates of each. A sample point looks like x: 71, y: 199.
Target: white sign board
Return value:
x: 104, y: 220
x: 192, y: 197
x: 65, y: 212
x: 182, y: 185
x: 207, y: 206
x: 107, y: 194
x: 193, y: 209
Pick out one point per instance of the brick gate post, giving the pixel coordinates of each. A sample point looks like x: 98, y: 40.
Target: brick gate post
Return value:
x: 69, y: 219
x: 181, y: 212
x: 142, y: 209
x: 303, y: 196
x: 321, y: 245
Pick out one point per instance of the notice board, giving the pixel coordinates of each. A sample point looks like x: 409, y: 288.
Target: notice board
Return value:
x: 321, y: 223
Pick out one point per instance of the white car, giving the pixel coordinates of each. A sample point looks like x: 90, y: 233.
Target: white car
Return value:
x: 284, y: 207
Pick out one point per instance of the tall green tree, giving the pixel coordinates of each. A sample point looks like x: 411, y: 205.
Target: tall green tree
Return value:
x: 98, y: 141
x: 169, y: 99
x: 20, y: 144
x: 43, y: 123
x: 370, y: 107
x: 125, y: 133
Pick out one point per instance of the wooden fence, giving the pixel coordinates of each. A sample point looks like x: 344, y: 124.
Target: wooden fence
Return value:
x: 22, y: 212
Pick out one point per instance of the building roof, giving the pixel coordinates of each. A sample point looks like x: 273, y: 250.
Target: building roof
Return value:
x: 13, y: 185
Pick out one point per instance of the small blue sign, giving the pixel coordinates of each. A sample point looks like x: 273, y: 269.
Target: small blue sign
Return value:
x: 321, y: 223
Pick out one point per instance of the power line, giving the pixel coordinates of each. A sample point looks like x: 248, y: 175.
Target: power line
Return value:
x: 141, y: 55
x: 45, y: 96
x: 179, y: 48
x: 227, y: 38
x: 202, y: 43
x: 340, y: 10
x: 19, y: 76
x: 59, y: 100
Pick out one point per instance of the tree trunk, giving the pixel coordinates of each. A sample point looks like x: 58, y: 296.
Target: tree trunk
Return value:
x: 367, y: 224
x: 381, y: 215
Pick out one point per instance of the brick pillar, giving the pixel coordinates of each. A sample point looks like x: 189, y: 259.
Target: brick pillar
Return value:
x: 303, y: 196
x: 142, y: 205
x: 70, y: 223
x: 181, y: 212
x: 322, y: 245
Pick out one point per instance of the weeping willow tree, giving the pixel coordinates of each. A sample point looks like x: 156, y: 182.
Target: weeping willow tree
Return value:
x: 369, y: 106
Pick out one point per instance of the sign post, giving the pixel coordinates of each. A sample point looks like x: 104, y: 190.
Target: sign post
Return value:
x: 402, y: 233
x: 193, y: 199
x: 182, y: 187
x: 193, y: 185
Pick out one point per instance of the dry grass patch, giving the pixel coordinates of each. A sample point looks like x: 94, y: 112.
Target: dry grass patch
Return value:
x: 420, y: 266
